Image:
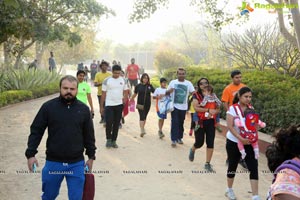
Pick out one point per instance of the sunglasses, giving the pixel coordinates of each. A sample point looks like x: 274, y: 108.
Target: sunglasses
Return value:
x: 203, y: 83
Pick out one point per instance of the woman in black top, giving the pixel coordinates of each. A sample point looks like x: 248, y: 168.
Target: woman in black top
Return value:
x: 142, y: 89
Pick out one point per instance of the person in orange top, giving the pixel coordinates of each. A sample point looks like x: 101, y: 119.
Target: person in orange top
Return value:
x: 228, y: 96
x: 132, y: 73
x: 231, y: 89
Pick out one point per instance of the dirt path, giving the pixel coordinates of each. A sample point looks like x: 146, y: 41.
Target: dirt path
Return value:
x: 142, y: 168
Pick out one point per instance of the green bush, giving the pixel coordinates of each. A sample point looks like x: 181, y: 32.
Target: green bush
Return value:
x: 275, y: 97
x: 168, y: 59
x: 45, y: 90
x: 155, y: 82
x: 22, y: 79
x: 21, y: 85
x: 14, y: 96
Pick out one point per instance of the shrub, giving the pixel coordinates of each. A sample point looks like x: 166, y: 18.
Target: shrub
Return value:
x: 25, y: 80
x: 275, y: 97
x: 168, y: 59
x: 155, y: 81
x: 14, y: 96
x: 45, y: 90
x: 21, y: 85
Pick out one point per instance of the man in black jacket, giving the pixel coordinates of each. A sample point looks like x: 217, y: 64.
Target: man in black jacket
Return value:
x: 70, y: 131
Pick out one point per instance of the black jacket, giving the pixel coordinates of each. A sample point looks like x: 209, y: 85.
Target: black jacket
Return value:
x: 70, y: 130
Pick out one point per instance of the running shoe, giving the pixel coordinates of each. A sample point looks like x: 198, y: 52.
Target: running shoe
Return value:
x: 197, y: 126
x: 208, y: 167
x: 230, y: 194
x: 108, y: 143
x: 179, y: 141
x: 173, y: 144
x: 256, y: 197
x: 114, y: 144
x: 142, y: 133
x: 191, y: 155
x: 160, y: 134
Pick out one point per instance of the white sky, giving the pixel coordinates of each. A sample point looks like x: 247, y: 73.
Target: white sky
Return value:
x: 119, y: 30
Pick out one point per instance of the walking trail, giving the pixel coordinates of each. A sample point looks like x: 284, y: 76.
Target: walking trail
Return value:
x: 141, y: 168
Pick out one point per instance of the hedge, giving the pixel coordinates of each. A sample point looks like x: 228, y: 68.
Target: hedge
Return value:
x: 15, y: 96
x: 275, y: 97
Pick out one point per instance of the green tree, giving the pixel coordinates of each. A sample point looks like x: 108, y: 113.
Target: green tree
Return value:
x: 168, y: 59
x: 85, y: 50
x: 44, y: 21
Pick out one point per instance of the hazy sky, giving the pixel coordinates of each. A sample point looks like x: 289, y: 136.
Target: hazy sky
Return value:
x: 119, y: 30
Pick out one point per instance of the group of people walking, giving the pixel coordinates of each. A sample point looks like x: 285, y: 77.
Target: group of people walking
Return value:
x: 71, y: 131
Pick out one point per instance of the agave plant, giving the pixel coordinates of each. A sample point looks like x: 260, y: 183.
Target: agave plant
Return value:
x: 26, y: 79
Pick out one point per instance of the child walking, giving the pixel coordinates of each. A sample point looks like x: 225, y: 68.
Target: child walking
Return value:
x: 159, y: 95
x: 194, y: 116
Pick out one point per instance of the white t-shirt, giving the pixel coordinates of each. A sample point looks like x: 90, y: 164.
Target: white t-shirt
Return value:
x: 229, y: 135
x: 159, y: 91
x: 181, y: 93
x: 114, y: 88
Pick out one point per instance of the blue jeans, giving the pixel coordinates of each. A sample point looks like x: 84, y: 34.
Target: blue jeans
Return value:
x: 113, y: 115
x: 177, y: 121
x: 53, y: 174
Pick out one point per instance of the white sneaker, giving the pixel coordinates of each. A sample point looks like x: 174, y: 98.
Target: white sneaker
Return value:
x: 230, y: 194
x: 256, y: 197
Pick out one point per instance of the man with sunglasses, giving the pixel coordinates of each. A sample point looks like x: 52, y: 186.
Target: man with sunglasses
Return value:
x: 179, y: 90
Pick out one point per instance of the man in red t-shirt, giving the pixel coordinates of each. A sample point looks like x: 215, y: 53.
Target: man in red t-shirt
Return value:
x: 132, y: 73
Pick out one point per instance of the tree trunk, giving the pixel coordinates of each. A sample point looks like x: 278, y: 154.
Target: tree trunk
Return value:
x: 21, y: 51
x: 18, y: 60
x: 7, y: 53
x: 296, y: 16
x: 282, y: 27
x: 39, y: 52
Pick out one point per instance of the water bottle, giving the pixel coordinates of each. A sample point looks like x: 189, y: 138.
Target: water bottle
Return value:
x: 132, y: 106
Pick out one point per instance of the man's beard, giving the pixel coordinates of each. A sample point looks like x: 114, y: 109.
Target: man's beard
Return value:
x: 68, y: 98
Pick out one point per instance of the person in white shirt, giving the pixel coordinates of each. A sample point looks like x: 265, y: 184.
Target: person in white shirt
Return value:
x: 114, y: 94
x: 243, y: 99
x: 179, y: 90
x: 159, y: 94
